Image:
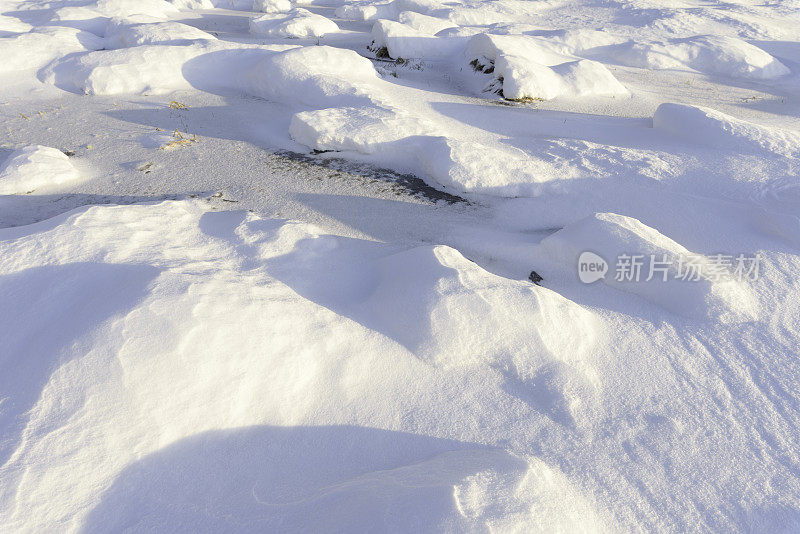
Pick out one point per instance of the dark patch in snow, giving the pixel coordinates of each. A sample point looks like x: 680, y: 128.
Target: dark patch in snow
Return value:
x: 401, y: 184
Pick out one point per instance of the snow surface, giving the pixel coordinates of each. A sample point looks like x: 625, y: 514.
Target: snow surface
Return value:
x: 314, y: 266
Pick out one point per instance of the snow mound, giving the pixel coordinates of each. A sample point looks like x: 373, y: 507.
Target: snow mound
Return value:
x: 316, y: 76
x: 151, y: 69
x: 527, y: 68
x: 704, y: 126
x: 363, y: 130
x: 710, y: 54
x: 209, y: 65
x: 122, y: 34
x: 523, y: 78
x: 272, y: 6
x: 298, y: 23
x: 467, y: 166
x: 424, y: 23
x: 578, y: 41
x: 192, y: 4
x: 402, y: 41
x: 37, y: 48
x: 707, y: 292
x: 12, y: 25
x: 123, y: 8
x: 392, y: 10
x: 373, y: 323
x: 81, y: 18
x: 367, y: 12
x: 35, y: 167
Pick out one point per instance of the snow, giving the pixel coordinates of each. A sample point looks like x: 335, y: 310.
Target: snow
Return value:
x: 610, y: 236
x: 524, y: 68
x: 121, y: 34
x: 10, y: 25
x: 724, y: 56
x: 320, y: 76
x: 360, y: 265
x: 272, y: 6
x: 424, y: 23
x: 297, y: 23
x: 403, y: 41
x: 35, y: 49
x: 33, y: 168
x: 704, y: 126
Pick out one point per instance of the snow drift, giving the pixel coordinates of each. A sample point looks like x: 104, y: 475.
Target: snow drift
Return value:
x: 32, y: 168
x: 707, y: 127
x: 660, y: 281
x: 524, y: 68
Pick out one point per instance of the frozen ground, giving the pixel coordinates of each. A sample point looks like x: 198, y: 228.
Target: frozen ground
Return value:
x: 264, y: 266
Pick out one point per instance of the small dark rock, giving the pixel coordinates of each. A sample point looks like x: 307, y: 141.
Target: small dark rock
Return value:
x: 68, y: 153
x: 535, y: 278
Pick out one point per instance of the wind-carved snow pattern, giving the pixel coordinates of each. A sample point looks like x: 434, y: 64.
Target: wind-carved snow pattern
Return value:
x: 316, y: 266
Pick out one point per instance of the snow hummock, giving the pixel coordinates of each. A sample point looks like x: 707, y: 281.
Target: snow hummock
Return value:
x: 612, y: 236
x: 272, y: 6
x: 707, y: 127
x: 37, y: 48
x: 297, y: 23
x: 123, y: 34
x: 424, y: 23
x: 390, y: 331
x: 404, y: 41
x: 127, y: 274
x: 524, y: 68
x: 318, y: 76
x: 32, y: 168
x: 368, y: 128
x: 11, y: 25
x: 712, y: 54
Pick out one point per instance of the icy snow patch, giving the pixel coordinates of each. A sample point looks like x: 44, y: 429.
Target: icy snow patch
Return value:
x: 35, y: 167
x: 612, y: 236
x: 298, y: 23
